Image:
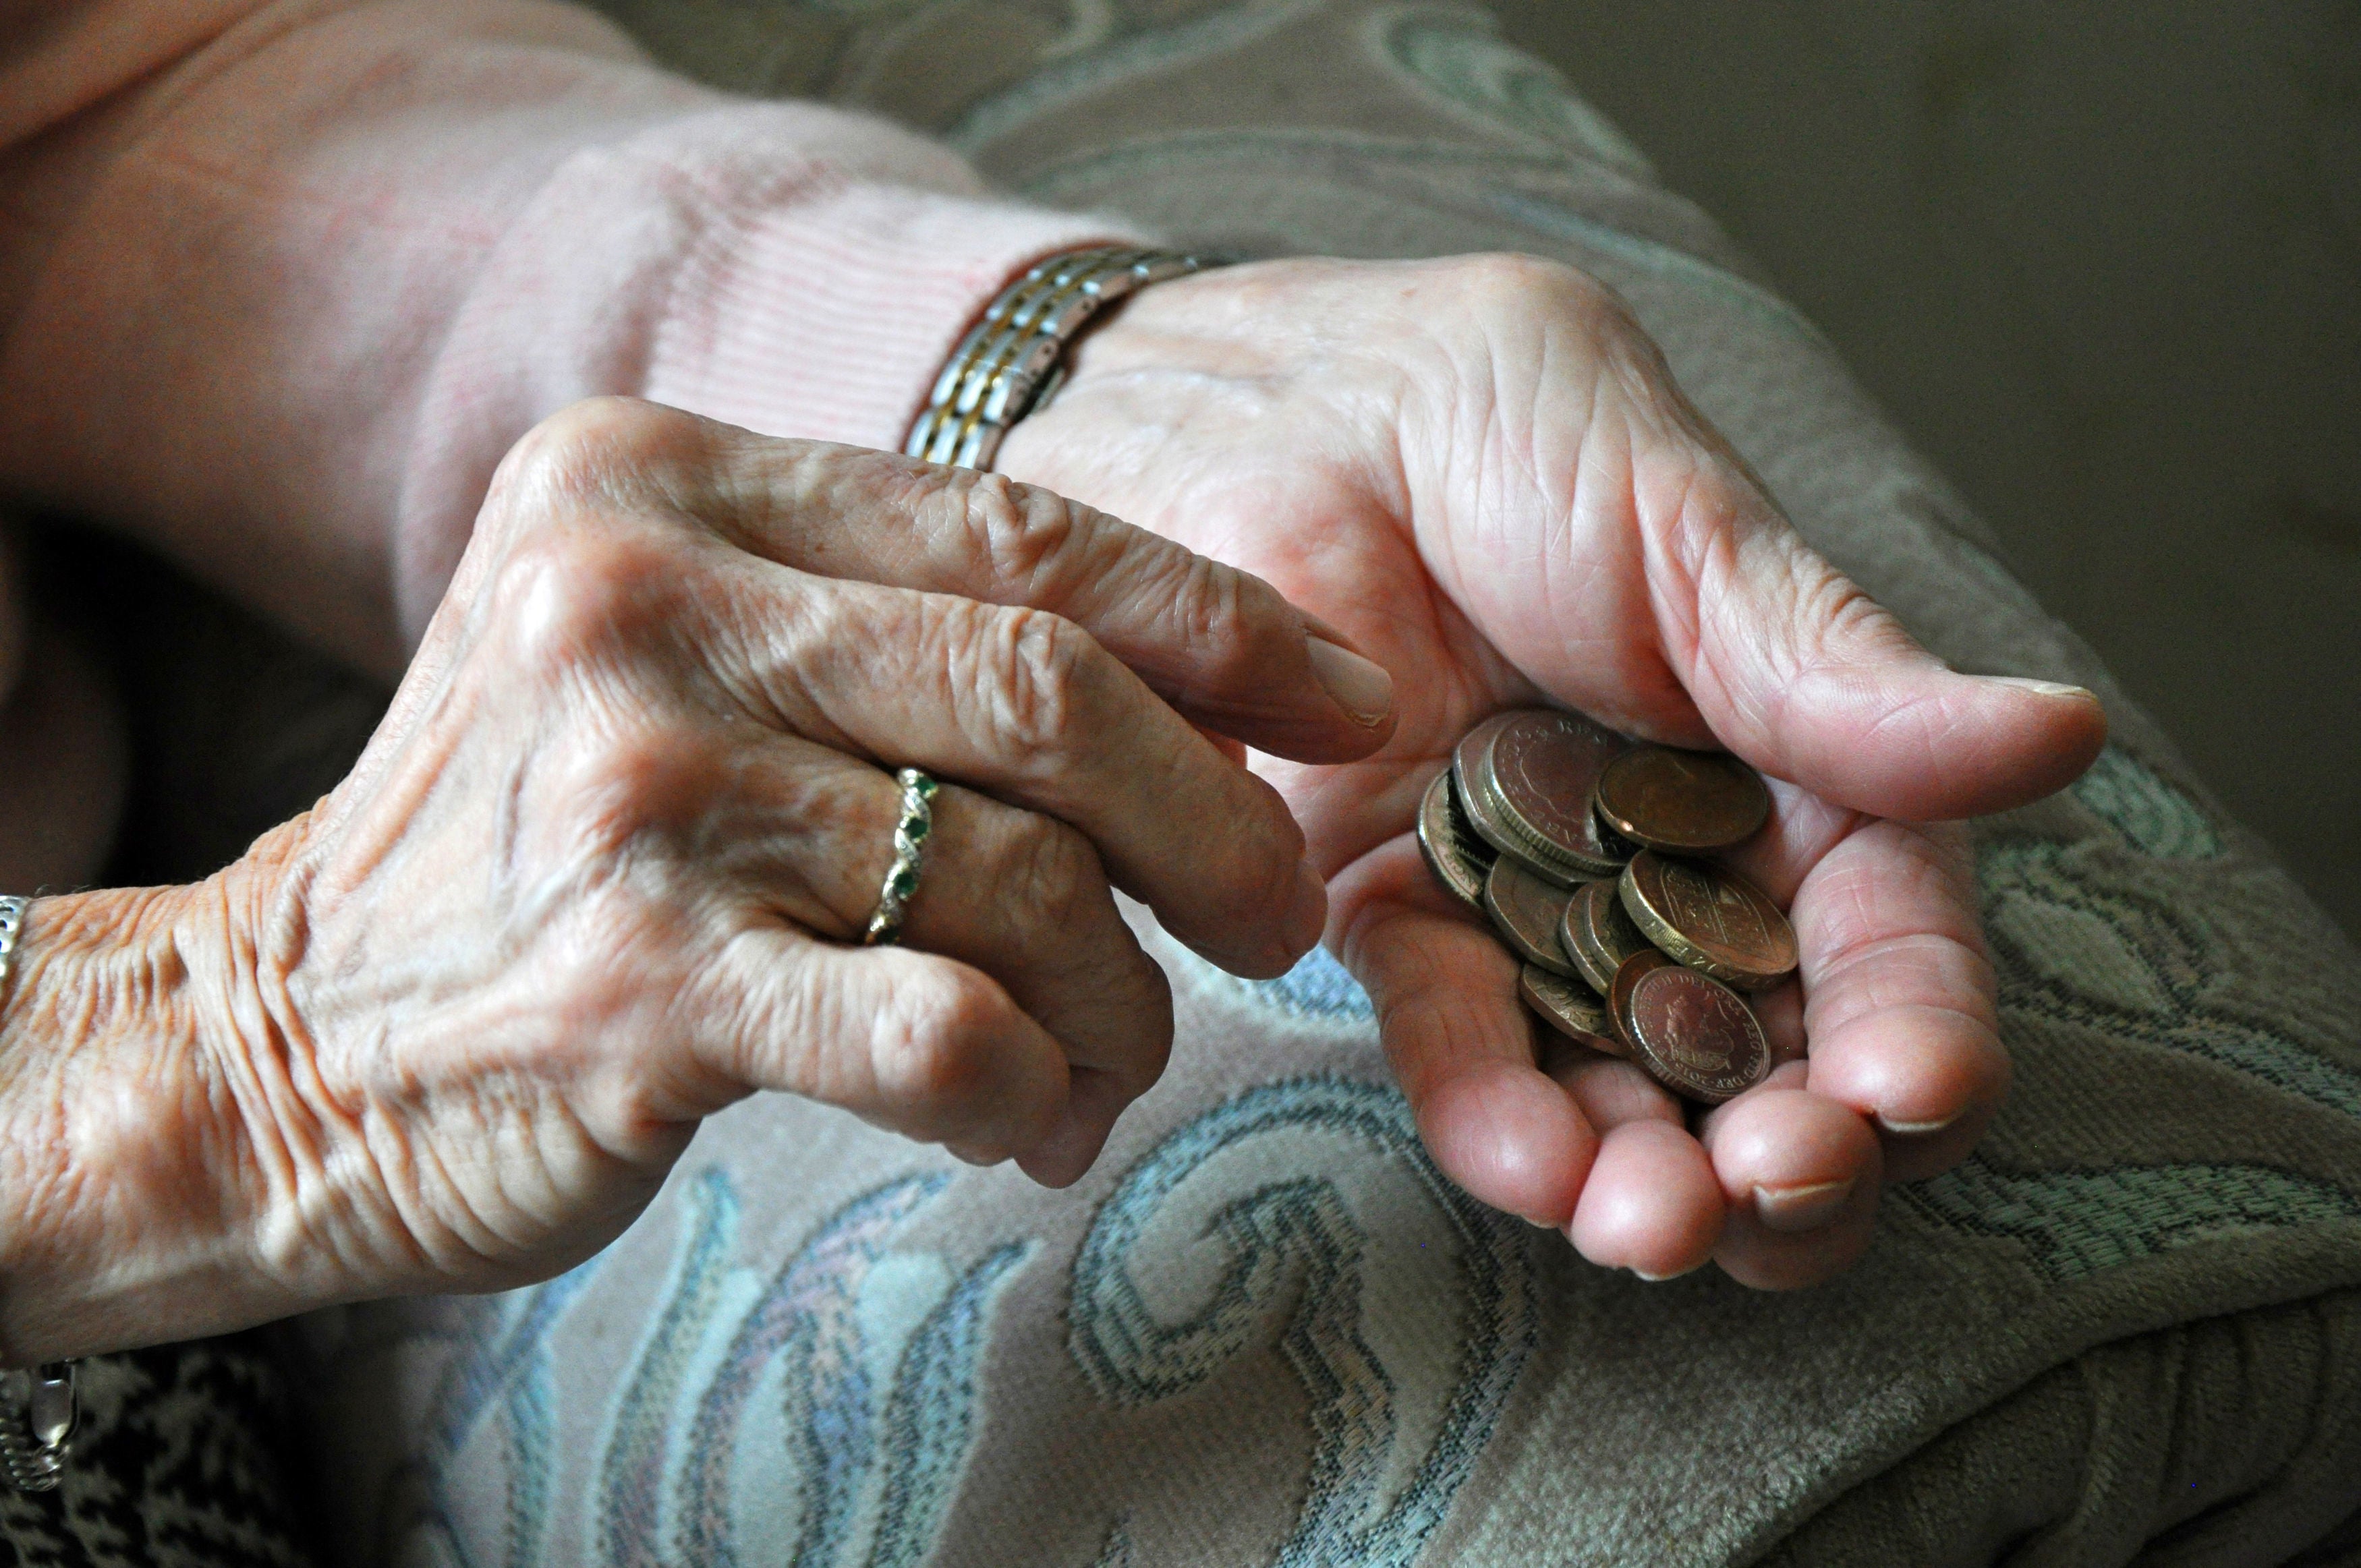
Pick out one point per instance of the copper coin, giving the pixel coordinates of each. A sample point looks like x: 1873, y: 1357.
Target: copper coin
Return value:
x: 1598, y: 935
x: 1687, y: 802
x: 1453, y: 853
x: 1471, y: 775
x: 1571, y: 1008
x: 1691, y: 1033
x: 1710, y: 918
x: 1543, y: 766
x: 1527, y: 911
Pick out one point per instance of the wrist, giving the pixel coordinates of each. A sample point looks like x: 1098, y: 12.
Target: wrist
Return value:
x: 831, y: 318
x: 1018, y: 351
x: 136, y: 1195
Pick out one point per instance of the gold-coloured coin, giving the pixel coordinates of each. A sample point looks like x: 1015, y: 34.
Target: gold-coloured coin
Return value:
x: 1682, y: 802
x: 1526, y: 912
x: 1710, y: 918
x: 1571, y: 1008
x: 1472, y: 746
x: 1598, y: 935
x: 1458, y: 858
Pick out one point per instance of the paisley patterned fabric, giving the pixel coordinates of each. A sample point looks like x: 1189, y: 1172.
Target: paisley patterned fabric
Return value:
x: 1269, y: 1331
x: 1265, y: 1330
x: 1286, y: 1249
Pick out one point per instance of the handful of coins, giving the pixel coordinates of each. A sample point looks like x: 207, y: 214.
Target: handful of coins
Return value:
x: 1580, y: 846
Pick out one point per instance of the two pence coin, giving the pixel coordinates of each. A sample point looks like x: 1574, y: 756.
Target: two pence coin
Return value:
x: 1692, y: 1033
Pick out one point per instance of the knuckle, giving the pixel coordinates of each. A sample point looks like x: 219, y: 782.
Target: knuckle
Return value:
x: 1050, y: 873
x: 1233, y: 625
x: 564, y: 596
x: 1512, y: 281
x: 1849, y: 622
x: 1023, y: 535
x: 597, y: 447
x: 625, y: 789
x: 1524, y: 288
x: 1036, y: 674
x: 929, y: 1060
x: 1039, y: 550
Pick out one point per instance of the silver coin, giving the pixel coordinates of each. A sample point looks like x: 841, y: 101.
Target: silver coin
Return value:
x: 1526, y: 912
x: 1458, y: 858
x: 1571, y: 1008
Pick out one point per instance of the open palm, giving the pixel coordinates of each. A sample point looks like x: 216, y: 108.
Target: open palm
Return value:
x: 1481, y: 473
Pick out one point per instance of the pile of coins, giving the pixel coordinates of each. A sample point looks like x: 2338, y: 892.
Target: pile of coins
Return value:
x: 1580, y: 846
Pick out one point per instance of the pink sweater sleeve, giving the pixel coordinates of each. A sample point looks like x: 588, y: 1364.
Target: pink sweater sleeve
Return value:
x: 279, y: 300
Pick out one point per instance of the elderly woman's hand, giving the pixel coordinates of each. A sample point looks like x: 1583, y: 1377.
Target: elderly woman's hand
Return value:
x: 1482, y: 470
x: 602, y: 869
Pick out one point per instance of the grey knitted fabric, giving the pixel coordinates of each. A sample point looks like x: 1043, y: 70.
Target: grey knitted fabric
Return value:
x: 1265, y: 1330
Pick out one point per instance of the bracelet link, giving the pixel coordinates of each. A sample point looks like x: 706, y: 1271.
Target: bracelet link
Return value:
x: 38, y: 1409
x: 12, y: 925
x: 39, y: 1412
x: 1012, y: 360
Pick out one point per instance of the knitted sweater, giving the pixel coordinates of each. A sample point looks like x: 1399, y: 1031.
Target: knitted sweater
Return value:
x: 281, y: 279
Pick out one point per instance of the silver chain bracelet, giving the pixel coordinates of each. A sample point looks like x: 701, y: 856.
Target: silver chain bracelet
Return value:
x: 1011, y: 362
x: 38, y: 1409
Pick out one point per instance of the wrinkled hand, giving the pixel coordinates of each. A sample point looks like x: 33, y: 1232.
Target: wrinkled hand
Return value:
x: 1481, y: 471
x: 601, y: 870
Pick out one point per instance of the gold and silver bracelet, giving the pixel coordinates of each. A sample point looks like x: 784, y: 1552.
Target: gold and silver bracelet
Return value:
x: 38, y: 1412
x: 1011, y: 362
x: 38, y: 1409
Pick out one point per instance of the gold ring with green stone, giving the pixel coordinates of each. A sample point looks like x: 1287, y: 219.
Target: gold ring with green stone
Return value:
x: 909, y: 855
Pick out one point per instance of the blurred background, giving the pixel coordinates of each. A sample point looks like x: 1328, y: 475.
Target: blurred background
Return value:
x: 2103, y: 263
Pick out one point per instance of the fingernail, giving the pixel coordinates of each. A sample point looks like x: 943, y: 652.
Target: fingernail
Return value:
x: 1916, y: 1129
x: 1362, y: 688
x: 2042, y: 688
x: 1064, y: 1156
x: 1793, y: 1208
x: 1307, y: 919
x: 1675, y: 1274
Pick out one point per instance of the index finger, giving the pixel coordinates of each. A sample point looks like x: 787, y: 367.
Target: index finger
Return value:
x: 1222, y: 646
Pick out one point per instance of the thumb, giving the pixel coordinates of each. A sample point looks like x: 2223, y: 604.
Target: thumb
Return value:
x: 1797, y: 669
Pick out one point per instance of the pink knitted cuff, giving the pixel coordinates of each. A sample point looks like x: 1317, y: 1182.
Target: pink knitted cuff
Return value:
x: 829, y: 317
